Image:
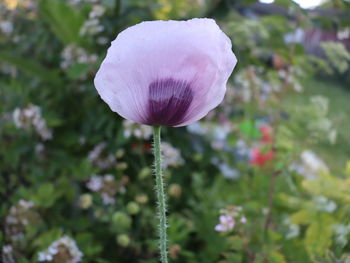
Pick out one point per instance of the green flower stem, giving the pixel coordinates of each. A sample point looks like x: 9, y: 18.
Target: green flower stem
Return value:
x: 160, y: 196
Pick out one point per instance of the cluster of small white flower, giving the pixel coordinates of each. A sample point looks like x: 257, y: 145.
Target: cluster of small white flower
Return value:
x: 311, y: 165
x: 31, y: 117
x: 12, y: 11
x: 6, y: 27
x: 341, y: 234
x: 73, y: 54
x: 92, y: 26
x: 101, y: 160
x: 106, y: 186
x: 226, y: 170
x: 293, y: 230
x: 324, y: 204
x: 18, y: 218
x: 8, y: 69
x: 242, y: 151
x: 137, y: 130
x: 63, y: 250
x: 171, y: 156
x: 337, y: 55
x: 217, y: 134
x: 7, y: 254
x: 95, y: 183
x: 247, y: 81
x: 251, y: 83
x: 291, y: 77
x: 321, y: 125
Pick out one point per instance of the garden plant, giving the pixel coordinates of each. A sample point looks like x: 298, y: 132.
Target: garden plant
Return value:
x: 254, y: 166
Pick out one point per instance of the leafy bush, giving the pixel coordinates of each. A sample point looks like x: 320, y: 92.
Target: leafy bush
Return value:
x: 244, y: 184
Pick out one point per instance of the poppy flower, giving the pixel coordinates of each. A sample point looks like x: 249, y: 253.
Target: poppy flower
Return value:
x: 167, y: 73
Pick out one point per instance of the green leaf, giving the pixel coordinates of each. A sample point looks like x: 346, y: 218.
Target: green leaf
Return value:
x: 233, y: 257
x: 319, y: 236
x: 86, y: 243
x: 46, y: 238
x: 45, y: 196
x: 77, y: 70
x: 235, y: 242
x: 276, y: 257
x: 23, y: 260
x: 64, y: 21
x: 248, y: 128
x: 31, y: 68
x: 302, y: 217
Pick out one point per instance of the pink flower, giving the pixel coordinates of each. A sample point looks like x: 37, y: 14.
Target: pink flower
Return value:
x: 227, y: 223
x: 169, y: 73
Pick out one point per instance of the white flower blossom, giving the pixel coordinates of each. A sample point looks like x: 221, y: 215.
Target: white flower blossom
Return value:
x: 341, y: 232
x: 7, y: 254
x: 6, y: 27
x: 97, y: 11
x: 293, y: 231
x: 311, y: 165
x: 102, y: 40
x: 216, y: 134
x: 30, y: 117
x: 65, y: 249
x: 95, y: 183
x: 344, y: 34
x: 73, y: 54
x: 8, y: 69
x: 19, y: 217
x: 100, y: 159
x: 171, y: 155
x: 137, y: 130
x: 107, y: 199
x: 91, y: 27
x: 104, y: 185
x: 228, y: 172
x: 323, y: 204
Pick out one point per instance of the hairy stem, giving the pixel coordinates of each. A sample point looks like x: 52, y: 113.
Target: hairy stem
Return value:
x: 160, y: 196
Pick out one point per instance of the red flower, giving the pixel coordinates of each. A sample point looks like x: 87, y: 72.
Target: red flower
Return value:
x: 259, y: 158
x: 266, y: 132
x: 145, y: 146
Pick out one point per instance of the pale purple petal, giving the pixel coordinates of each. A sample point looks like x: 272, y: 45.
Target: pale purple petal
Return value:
x: 231, y: 225
x: 167, y: 73
x: 243, y: 220
x: 220, y: 228
x: 227, y: 223
x: 225, y: 219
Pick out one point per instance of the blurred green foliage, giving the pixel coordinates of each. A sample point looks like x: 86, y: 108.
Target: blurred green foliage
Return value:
x: 75, y: 179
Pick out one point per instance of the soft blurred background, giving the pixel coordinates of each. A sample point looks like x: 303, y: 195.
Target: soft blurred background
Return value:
x: 264, y: 178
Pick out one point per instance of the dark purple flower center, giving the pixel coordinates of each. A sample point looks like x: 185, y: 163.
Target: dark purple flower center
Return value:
x: 168, y: 102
